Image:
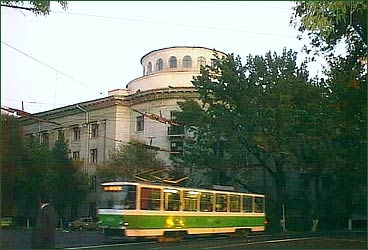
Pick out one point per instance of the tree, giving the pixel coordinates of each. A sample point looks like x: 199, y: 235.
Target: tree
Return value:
x: 250, y: 115
x: 127, y: 161
x: 37, y: 7
x: 31, y: 170
x: 68, y: 184
x: 11, y: 159
x: 329, y: 24
x: 32, y: 178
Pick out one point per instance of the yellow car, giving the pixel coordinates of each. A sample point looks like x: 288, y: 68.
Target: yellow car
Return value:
x: 7, y: 222
x: 84, y: 223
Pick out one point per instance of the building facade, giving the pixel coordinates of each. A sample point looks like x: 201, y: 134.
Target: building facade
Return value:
x: 136, y: 112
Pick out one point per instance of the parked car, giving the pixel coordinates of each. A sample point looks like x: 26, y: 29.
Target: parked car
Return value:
x: 83, y: 223
x: 7, y: 222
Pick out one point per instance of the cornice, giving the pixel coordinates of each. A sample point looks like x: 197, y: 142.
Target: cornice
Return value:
x: 115, y: 100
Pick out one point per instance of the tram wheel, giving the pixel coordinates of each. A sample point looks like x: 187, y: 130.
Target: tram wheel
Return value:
x: 242, y: 233
x: 170, y: 237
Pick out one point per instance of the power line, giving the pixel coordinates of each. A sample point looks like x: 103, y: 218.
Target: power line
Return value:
x: 175, y: 24
x: 28, y: 115
x: 33, y: 102
x: 51, y: 67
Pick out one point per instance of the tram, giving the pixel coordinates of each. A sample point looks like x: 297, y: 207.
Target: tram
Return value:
x: 130, y: 209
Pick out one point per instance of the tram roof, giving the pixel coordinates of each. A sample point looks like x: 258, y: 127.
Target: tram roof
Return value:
x: 118, y: 183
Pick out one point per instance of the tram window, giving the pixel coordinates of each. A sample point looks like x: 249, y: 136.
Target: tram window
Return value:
x: 130, y: 199
x: 221, y: 202
x: 118, y: 197
x: 206, y: 202
x: 171, y: 199
x: 234, y: 203
x: 247, y: 204
x: 190, y: 201
x: 150, y: 198
x: 258, y: 204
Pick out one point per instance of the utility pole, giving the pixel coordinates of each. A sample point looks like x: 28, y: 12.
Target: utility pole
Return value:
x: 87, y: 137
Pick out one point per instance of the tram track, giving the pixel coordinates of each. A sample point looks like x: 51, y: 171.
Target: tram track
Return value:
x: 302, y: 240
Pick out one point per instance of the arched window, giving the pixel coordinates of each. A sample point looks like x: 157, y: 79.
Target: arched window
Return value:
x: 187, y: 62
x: 149, y: 68
x: 172, y: 62
x: 159, y: 64
x: 201, y: 61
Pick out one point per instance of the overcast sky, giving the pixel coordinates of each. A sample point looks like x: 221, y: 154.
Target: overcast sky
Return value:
x: 80, y: 54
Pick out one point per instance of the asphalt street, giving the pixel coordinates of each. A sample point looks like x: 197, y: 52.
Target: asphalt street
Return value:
x: 21, y: 239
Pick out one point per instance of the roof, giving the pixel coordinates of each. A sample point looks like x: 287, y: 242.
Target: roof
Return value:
x: 179, y: 47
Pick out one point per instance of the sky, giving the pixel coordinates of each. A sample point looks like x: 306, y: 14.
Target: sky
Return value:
x: 80, y: 54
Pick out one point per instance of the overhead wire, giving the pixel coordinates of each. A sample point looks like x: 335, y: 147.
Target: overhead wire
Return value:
x: 89, y: 132
x: 231, y: 29
x: 51, y: 67
x: 33, y: 102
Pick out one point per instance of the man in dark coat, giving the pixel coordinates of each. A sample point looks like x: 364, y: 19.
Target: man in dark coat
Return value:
x: 44, y: 229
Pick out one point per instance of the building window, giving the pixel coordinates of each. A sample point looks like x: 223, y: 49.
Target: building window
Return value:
x: 94, y: 130
x: 76, y: 134
x: 172, y: 62
x: 93, y: 155
x: 140, y: 123
x: 45, y: 139
x: 93, y: 183
x: 149, y: 68
x: 187, y: 62
x: 176, y: 146
x: 60, y: 134
x: 159, y: 64
x: 201, y: 61
x: 175, y: 129
x: 76, y: 156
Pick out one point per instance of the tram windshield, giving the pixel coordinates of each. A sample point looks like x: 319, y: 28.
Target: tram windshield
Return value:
x: 118, y: 197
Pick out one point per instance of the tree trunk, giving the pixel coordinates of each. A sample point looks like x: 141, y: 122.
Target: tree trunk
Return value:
x: 280, y: 187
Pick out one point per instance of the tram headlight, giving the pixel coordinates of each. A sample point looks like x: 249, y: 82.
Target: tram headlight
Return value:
x: 169, y: 222
x: 124, y: 223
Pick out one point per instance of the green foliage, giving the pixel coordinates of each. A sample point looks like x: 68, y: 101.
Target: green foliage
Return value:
x: 33, y: 170
x: 264, y: 113
x: 32, y: 177
x: 11, y: 158
x: 37, y: 7
x: 69, y: 184
x: 262, y: 107
x: 128, y: 160
x: 329, y: 22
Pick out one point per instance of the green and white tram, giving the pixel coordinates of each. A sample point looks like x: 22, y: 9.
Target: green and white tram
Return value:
x: 164, y: 212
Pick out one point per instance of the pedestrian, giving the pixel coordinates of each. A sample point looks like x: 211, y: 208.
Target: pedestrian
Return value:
x: 44, y: 230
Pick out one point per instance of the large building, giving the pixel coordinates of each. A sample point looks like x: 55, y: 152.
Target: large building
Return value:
x: 140, y: 111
